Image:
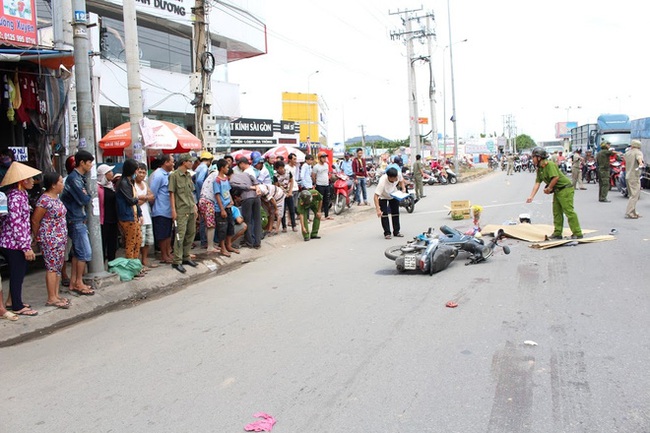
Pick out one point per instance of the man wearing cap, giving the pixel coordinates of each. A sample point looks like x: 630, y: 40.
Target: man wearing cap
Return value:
x: 633, y: 164
x: 309, y: 199
x: 602, y: 160
x: 75, y: 197
x: 260, y: 172
x: 181, y: 197
x: 200, y: 174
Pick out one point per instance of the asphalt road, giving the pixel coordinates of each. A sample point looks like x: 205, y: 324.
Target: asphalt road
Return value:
x: 326, y: 336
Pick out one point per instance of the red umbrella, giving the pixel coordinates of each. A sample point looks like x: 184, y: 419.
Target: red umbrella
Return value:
x: 156, y: 134
x: 241, y: 152
x: 284, y: 150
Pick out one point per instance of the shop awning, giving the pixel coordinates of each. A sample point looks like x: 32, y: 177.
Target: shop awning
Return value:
x: 49, y: 58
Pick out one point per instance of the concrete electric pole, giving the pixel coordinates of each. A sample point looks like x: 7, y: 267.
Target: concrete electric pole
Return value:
x: 86, y: 128
x: 409, y: 36
x: 203, y: 66
x: 132, y: 54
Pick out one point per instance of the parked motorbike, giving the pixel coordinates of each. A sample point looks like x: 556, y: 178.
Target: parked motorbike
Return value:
x: 430, y: 253
x: 342, y: 190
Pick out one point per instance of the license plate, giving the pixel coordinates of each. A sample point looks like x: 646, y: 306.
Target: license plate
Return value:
x: 410, y: 262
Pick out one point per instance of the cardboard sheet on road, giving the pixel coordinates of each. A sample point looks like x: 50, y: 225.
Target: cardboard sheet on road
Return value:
x: 536, y: 233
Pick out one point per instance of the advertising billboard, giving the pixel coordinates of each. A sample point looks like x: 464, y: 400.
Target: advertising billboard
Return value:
x: 18, y: 23
x: 563, y: 129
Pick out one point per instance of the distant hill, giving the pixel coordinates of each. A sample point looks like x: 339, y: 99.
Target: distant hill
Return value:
x: 369, y: 139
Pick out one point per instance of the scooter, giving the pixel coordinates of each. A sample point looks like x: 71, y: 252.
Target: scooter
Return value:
x: 451, y: 176
x: 591, y: 172
x: 430, y: 253
x: 408, y: 201
x: 342, y: 188
x: 621, y: 183
x: 615, y: 169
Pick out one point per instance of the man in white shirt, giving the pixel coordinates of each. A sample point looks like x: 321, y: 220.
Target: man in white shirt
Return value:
x: 305, y: 173
x: 386, y: 205
x: 321, y: 177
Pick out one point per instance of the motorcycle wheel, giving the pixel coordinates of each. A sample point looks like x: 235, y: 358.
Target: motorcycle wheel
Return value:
x: 339, y: 204
x: 453, y: 180
x: 431, y: 181
x: 443, y: 180
x: 410, y: 206
x: 393, y: 252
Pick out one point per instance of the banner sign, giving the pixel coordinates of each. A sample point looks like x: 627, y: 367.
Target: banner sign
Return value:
x: 251, y: 128
x: 18, y: 23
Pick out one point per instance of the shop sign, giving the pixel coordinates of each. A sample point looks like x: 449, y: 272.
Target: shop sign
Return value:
x: 287, y: 127
x: 251, y: 128
x: 18, y: 23
x: 249, y: 141
x: 20, y: 153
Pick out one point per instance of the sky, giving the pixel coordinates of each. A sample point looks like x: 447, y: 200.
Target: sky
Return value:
x: 541, y: 62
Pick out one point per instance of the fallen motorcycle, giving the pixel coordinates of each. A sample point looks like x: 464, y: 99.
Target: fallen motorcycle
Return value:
x: 430, y: 253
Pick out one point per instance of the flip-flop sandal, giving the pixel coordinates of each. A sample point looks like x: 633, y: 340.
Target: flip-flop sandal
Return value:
x: 27, y: 312
x: 153, y: 265
x: 65, y: 282
x: 58, y: 304
x: 9, y: 316
x: 82, y: 292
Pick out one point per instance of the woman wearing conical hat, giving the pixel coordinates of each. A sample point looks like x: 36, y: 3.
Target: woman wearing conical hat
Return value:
x: 15, y: 233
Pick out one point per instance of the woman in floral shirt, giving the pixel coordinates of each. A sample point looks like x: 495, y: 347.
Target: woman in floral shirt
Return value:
x: 49, y: 227
x: 15, y: 233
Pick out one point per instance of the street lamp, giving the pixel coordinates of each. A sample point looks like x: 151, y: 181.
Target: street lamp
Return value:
x: 568, y: 109
x: 308, y: 105
x: 309, y: 78
x: 444, y: 94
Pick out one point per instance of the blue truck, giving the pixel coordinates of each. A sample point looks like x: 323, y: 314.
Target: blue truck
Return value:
x: 614, y: 128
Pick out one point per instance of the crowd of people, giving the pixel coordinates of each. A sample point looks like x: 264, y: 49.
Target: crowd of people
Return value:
x: 230, y: 203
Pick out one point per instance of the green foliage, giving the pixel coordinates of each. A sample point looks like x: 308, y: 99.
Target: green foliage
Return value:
x: 525, y: 142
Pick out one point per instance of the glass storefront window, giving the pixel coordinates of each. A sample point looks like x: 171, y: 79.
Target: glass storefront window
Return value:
x: 158, y: 50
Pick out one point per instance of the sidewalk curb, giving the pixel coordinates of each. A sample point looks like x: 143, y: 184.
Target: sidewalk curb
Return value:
x: 159, y: 282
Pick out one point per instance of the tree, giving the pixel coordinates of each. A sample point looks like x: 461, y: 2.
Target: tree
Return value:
x: 524, y: 142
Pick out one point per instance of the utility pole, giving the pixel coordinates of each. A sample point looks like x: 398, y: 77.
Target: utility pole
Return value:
x: 203, y: 67
x: 86, y: 128
x: 132, y: 54
x: 410, y: 35
x: 432, y: 90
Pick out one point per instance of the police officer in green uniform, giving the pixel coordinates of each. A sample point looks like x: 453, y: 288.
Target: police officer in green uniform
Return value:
x: 602, y: 160
x: 309, y: 199
x: 560, y: 186
x: 181, y: 196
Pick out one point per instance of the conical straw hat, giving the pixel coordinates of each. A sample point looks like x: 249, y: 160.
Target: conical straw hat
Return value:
x: 17, y: 172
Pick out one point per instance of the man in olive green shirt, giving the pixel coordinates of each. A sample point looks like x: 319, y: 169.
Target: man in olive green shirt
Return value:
x: 602, y: 160
x: 181, y: 197
x: 560, y: 186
